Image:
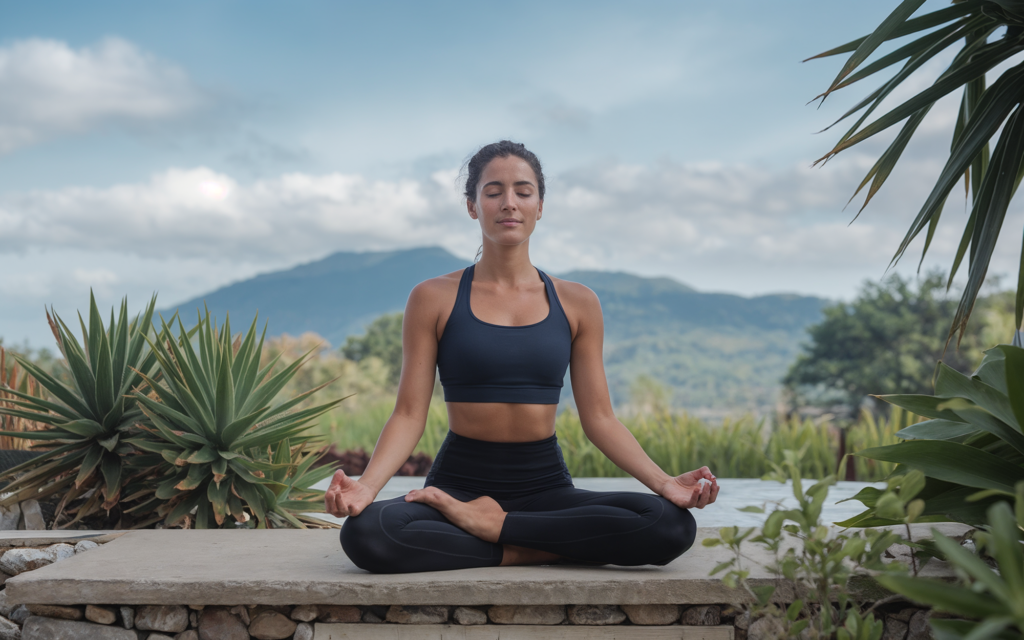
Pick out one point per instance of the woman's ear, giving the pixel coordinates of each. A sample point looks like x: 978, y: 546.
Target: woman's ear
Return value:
x: 540, y: 209
x: 471, y: 207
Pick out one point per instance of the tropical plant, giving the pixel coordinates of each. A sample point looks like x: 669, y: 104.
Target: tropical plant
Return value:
x: 820, y: 565
x: 87, y: 419
x: 215, y: 444
x: 991, y: 597
x: 987, y: 34
x: 970, y: 451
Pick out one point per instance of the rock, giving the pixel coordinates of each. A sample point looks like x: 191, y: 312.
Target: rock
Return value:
x: 191, y: 634
x: 158, y: 636
x: 20, y: 614
x: 6, y: 606
x: 742, y: 621
x: 193, y: 618
x: 242, y: 613
x: 16, y: 561
x: 100, y: 615
x: 32, y: 516
x: 167, y: 618
x: 651, y: 613
x: 197, y: 607
x: 305, y: 613
x: 338, y: 613
x: 85, y: 545
x: 371, y: 617
x: 9, y: 517
x: 905, y: 615
x: 303, y: 631
x: 218, y: 624
x: 271, y: 625
x: 705, y: 616
x: 39, y: 628
x: 469, y: 615
x: 56, y: 611
x: 527, y: 614
x: 766, y: 628
x: 403, y: 614
x: 918, y: 627
x: 595, y: 614
x: 128, y: 617
x: 895, y: 629
x: 9, y: 630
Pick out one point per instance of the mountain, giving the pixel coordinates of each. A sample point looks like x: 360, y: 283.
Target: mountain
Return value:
x: 716, y: 352
x: 335, y: 297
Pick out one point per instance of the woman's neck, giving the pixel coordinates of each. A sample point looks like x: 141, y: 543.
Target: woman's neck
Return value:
x: 505, y: 264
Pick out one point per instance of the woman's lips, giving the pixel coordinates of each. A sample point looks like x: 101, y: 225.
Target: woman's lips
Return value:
x: 509, y: 223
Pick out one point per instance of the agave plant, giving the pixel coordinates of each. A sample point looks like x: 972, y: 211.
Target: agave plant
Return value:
x: 25, y: 384
x: 970, y: 451
x: 987, y: 33
x: 218, y: 451
x: 88, y: 419
x: 992, y: 598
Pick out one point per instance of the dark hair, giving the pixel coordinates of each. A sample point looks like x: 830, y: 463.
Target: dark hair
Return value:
x: 502, y: 149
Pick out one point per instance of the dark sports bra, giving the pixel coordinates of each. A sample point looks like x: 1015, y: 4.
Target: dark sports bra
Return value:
x: 483, y: 362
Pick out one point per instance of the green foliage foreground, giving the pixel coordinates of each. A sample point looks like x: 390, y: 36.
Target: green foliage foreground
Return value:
x: 184, y: 428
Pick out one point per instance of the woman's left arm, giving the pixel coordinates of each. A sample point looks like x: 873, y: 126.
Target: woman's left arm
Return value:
x: 590, y: 390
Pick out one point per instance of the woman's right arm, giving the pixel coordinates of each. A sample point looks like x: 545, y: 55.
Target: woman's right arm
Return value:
x: 404, y: 428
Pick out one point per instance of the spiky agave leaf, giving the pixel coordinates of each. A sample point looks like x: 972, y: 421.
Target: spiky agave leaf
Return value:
x: 220, y: 451
x: 88, y: 418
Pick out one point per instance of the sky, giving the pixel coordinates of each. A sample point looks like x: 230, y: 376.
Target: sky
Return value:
x: 178, y: 147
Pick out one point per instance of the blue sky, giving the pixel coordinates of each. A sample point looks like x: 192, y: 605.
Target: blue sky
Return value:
x: 176, y: 147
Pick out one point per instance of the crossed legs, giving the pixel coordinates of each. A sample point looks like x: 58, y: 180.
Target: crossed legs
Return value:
x: 439, y: 529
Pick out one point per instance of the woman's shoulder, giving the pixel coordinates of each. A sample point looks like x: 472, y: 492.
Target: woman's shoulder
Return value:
x: 437, y: 291
x: 575, y: 295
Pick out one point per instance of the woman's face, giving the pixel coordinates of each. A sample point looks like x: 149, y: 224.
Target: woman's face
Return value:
x: 508, y: 203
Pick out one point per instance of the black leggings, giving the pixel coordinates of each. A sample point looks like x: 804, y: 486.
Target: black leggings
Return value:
x: 544, y: 512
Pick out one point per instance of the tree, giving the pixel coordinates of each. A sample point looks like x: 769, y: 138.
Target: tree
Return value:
x: 383, y: 339
x: 888, y: 340
x: 988, y: 33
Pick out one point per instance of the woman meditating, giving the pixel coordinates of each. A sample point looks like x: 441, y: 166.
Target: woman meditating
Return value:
x: 502, y: 333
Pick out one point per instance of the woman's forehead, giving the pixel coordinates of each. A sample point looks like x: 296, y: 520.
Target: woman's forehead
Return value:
x: 508, y: 170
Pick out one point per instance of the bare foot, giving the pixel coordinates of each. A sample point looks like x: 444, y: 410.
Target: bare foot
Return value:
x: 482, y: 517
x: 521, y: 555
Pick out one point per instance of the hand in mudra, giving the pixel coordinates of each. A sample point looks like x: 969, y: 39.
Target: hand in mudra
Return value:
x: 346, y: 497
x: 687, y: 490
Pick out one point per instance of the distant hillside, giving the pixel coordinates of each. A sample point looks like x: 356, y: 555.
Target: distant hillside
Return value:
x: 335, y: 297
x: 717, y: 352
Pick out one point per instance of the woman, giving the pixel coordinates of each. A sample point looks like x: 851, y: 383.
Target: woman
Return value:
x: 502, y: 333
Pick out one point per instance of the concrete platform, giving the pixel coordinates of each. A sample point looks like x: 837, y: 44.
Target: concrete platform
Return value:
x: 292, y: 567
x: 44, y: 538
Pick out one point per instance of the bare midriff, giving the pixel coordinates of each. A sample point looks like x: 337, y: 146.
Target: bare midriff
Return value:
x: 502, y: 421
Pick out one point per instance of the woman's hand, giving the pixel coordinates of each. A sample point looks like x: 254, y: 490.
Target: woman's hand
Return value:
x: 687, y: 490
x: 347, y: 497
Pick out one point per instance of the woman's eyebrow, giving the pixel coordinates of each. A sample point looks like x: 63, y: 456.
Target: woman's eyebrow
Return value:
x: 514, y: 184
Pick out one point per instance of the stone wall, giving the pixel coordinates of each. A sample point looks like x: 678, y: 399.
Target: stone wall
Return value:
x: 265, y: 622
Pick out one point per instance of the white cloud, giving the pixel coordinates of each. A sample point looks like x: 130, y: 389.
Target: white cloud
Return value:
x: 48, y: 88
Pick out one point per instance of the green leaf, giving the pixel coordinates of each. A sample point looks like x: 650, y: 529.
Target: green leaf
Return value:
x: 196, y: 474
x: 1014, y: 371
x: 876, y: 38
x: 111, y: 468
x: 926, y: 406
x: 951, y: 462
x: 85, y: 428
x: 937, y: 429
x: 204, y: 455
x: 89, y: 464
x: 942, y: 596
x: 950, y: 383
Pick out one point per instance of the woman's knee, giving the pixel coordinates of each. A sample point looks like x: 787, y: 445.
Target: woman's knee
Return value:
x: 674, y: 533
x: 365, y: 543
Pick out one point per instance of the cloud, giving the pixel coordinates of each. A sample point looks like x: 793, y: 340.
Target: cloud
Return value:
x: 734, y: 227
x: 47, y: 88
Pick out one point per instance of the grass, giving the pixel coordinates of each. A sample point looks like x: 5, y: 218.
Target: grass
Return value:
x: 742, y: 447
